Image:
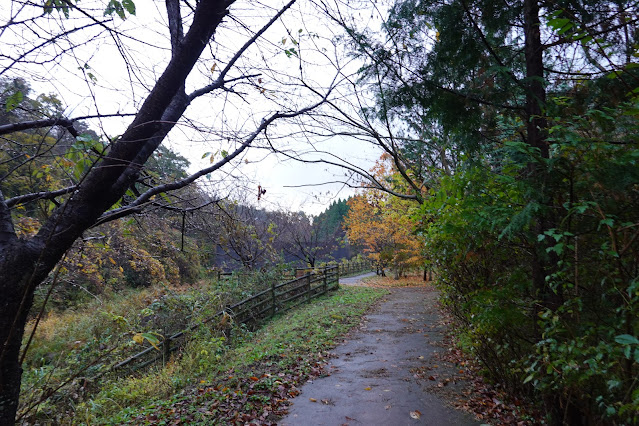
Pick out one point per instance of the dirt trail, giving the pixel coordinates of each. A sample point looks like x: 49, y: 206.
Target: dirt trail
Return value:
x: 387, y: 371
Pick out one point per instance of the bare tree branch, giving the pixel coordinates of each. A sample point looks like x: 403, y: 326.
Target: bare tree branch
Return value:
x: 44, y: 195
x: 219, y: 82
x: 175, y: 24
x: 38, y: 124
x: 146, y: 196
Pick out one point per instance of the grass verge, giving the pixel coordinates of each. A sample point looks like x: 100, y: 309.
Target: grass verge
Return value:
x: 248, y: 381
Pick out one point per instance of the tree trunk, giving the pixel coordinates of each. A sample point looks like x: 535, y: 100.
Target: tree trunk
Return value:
x: 18, y: 279
x: 24, y: 264
x: 11, y: 331
x: 536, y: 130
x: 536, y: 92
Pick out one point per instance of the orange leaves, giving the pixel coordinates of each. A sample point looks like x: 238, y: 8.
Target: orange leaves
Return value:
x: 382, y: 223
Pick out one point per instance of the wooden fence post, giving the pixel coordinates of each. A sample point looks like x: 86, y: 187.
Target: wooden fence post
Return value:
x: 228, y: 326
x: 308, y: 287
x: 273, y: 298
x: 166, y: 347
x: 325, y: 279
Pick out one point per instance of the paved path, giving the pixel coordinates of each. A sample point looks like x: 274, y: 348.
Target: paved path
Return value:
x: 373, y: 380
x: 356, y: 280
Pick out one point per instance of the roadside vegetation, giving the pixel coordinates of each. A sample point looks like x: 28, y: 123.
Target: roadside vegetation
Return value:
x: 214, y: 379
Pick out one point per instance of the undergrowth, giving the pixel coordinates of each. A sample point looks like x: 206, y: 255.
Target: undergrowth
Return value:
x: 250, y: 372
x: 72, y: 350
x: 251, y: 378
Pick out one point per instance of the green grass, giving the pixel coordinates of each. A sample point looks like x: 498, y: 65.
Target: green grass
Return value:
x: 250, y: 379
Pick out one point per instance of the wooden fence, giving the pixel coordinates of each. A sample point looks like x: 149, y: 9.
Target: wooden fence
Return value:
x: 346, y: 268
x: 350, y: 268
x: 251, y: 311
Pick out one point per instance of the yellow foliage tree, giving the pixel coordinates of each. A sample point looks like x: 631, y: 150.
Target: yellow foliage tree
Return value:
x: 382, y: 224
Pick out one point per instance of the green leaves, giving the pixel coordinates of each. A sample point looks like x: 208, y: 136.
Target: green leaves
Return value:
x: 119, y: 8
x: 60, y: 5
x: 129, y: 6
x: 560, y: 25
x: 292, y: 51
x: 629, y: 343
x: 13, y: 101
x: 152, y: 338
x: 626, y: 339
x: 607, y: 222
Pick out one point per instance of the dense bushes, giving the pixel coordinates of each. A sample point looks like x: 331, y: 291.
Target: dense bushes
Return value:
x: 574, y: 343
x: 74, y: 348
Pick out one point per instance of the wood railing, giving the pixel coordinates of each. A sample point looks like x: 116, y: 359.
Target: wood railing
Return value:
x: 251, y: 311
x: 346, y: 268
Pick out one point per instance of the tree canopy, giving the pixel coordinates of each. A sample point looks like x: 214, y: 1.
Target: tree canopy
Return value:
x: 512, y: 125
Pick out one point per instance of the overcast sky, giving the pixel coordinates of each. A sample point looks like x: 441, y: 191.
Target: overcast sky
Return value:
x: 105, y: 77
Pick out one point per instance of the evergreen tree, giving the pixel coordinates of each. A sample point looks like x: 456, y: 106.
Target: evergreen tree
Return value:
x: 516, y: 116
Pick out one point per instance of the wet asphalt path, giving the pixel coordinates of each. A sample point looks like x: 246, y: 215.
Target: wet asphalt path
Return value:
x: 372, y: 380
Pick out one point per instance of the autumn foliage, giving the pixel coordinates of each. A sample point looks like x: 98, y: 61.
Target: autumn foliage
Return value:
x: 382, y: 225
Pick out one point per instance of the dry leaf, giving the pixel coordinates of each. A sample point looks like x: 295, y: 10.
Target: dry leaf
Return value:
x: 415, y: 414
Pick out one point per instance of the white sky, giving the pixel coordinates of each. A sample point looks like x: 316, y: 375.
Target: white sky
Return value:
x: 118, y: 88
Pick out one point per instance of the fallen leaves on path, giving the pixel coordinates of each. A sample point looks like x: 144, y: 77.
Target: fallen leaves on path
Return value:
x: 389, y: 282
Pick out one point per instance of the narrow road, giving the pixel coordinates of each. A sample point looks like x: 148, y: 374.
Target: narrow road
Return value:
x: 356, y: 280
x: 385, y: 371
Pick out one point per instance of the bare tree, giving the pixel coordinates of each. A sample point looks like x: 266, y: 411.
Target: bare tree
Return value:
x: 247, y: 234
x: 58, y: 37
x: 306, y: 241
x: 302, y: 242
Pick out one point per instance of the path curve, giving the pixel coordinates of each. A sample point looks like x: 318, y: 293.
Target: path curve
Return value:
x: 373, y: 378
x: 356, y: 280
